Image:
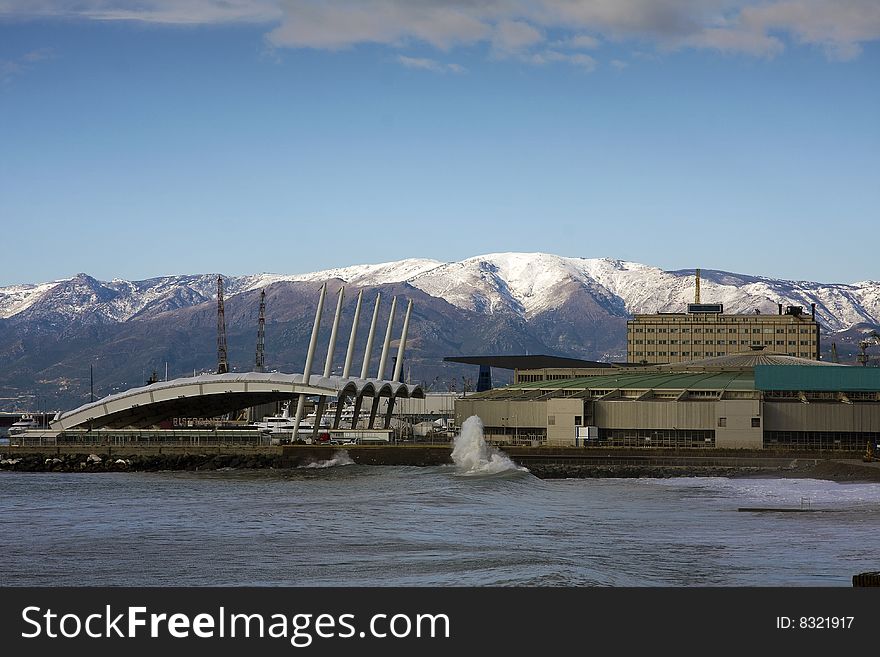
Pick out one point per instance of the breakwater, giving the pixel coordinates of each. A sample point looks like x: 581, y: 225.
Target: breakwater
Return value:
x: 543, y: 462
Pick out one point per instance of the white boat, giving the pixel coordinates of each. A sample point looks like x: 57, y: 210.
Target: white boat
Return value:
x: 281, y: 426
x: 275, y: 424
x: 25, y: 423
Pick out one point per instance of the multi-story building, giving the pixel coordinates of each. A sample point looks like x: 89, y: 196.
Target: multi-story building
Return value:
x: 706, y: 332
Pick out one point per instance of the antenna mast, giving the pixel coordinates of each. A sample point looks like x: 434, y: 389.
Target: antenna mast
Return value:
x: 261, y: 334
x: 697, y: 288
x: 222, y: 361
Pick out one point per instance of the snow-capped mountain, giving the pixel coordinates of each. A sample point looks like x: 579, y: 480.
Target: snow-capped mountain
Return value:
x: 524, y: 284
x: 52, y: 333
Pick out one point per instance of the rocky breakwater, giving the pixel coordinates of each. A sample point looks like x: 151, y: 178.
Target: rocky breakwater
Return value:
x: 136, y: 462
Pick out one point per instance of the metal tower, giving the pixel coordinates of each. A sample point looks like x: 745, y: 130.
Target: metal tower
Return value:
x: 261, y: 334
x: 222, y: 361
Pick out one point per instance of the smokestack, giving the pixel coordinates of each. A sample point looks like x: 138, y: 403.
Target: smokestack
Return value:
x: 697, y: 287
x: 813, y: 310
x: 780, y: 308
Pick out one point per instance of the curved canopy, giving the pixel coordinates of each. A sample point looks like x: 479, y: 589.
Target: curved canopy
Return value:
x: 211, y: 395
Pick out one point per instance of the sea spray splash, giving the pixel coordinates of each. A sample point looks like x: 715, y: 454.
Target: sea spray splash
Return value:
x: 340, y: 457
x: 472, y: 455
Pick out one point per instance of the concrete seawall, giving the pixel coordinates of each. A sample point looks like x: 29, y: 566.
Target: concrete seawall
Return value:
x: 542, y: 462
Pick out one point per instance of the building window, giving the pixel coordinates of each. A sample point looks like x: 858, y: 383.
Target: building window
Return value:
x: 578, y: 420
x: 551, y: 420
x: 722, y: 422
x: 756, y: 422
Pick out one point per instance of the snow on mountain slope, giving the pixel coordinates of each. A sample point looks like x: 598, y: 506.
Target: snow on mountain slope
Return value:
x: 521, y: 284
x: 17, y: 298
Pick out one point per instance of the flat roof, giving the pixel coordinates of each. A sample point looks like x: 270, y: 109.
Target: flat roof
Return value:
x: 527, y: 362
x: 744, y: 380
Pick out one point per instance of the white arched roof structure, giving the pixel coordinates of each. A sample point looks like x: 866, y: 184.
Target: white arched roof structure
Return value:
x: 211, y: 395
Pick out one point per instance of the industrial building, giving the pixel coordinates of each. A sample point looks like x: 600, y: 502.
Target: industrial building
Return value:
x: 532, y: 366
x: 754, y: 399
x: 705, y: 331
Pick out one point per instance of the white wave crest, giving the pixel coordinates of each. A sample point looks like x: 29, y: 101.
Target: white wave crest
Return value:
x: 472, y: 455
x: 340, y: 457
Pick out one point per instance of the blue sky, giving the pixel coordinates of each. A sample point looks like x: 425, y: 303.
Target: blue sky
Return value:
x: 290, y: 136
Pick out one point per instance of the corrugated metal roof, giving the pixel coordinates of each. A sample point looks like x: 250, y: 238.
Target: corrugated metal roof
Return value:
x: 837, y: 379
x: 744, y: 359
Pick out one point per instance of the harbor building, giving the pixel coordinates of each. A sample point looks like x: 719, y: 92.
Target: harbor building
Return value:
x: 705, y: 331
x: 754, y: 399
x: 534, y: 366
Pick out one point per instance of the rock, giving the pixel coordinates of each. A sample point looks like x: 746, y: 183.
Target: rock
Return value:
x: 94, y: 458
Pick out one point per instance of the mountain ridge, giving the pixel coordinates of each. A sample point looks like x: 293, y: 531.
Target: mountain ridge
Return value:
x: 52, y: 333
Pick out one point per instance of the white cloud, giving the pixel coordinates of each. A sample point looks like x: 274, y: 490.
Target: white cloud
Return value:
x: 733, y: 40
x: 346, y: 23
x: 511, y: 28
x: 619, y: 64
x: 578, y: 42
x: 429, y: 64
x: 839, y: 27
x: 169, y: 12
x: 581, y: 60
x: 515, y: 36
x: 12, y: 68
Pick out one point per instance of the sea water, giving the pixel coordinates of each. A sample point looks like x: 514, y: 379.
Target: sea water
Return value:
x: 482, y: 521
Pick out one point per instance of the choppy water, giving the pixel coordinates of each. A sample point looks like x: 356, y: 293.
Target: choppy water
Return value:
x: 362, y: 525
